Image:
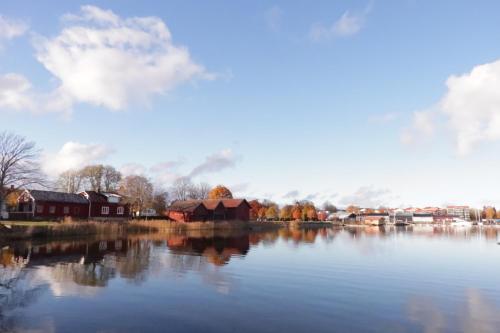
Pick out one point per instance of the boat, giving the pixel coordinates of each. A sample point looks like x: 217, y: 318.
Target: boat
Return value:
x: 458, y: 222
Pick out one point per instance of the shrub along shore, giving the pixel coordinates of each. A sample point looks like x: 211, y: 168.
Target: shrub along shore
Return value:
x: 45, y: 229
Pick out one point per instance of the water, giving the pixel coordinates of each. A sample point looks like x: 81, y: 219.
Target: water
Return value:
x: 325, y: 280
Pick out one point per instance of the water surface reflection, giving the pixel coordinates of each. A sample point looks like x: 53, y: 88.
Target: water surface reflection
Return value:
x: 374, y: 279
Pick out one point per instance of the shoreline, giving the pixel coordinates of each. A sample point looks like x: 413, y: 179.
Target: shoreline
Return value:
x: 16, y: 230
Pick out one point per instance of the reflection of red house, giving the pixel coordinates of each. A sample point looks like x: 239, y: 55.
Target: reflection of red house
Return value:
x: 209, y: 210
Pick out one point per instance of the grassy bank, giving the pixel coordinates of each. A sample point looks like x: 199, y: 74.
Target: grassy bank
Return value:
x: 46, y: 229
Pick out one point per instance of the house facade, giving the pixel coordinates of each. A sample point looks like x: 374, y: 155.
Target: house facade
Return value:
x: 209, y: 210
x: 106, y: 205
x: 51, y: 205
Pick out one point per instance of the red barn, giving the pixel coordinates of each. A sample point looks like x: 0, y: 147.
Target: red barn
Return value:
x: 209, y: 210
x: 52, y: 205
x: 106, y: 205
x: 188, y: 211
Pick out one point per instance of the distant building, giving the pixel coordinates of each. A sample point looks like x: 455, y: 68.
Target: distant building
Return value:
x: 209, y: 210
x: 462, y: 212
x: 374, y: 219
x: 423, y: 218
x: 342, y: 216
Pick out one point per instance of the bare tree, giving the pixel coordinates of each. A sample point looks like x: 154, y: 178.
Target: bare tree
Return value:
x: 101, y: 177
x: 160, y: 202
x: 181, y: 188
x: 19, y: 165
x: 70, y: 181
x: 199, y: 191
x: 93, y: 175
x: 111, y: 178
x: 138, y: 192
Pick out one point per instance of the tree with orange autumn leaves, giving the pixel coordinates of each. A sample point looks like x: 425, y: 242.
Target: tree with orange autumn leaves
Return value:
x: 220, y: 192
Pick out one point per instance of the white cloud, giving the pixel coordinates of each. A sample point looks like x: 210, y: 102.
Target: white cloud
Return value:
x: 470, y: 108
x: 347, y: 25
x: 215, y: 163
x: 274, y: 18
x: 74, y: 155
x: 105, y: 60
x: 367, y: 196
x: 15, y: 92
x: 11, y: 28
x: 472, y: 105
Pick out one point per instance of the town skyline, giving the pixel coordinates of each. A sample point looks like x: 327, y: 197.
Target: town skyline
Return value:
x: 333, y: 104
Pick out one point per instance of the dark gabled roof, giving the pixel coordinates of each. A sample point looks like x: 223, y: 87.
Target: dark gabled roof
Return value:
x: 210, y: 204
x: 187, y: 206
x: 51, y: 196
x: 96, y: 196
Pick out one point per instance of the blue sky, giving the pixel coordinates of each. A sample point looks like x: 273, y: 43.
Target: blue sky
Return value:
x: 347, y: 101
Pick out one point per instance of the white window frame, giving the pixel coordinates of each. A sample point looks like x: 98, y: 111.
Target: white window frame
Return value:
x: 105, y: 210
x: 66, y: 210
x: 39, y: 209
x: 120, y: 210
x: 52, y: 209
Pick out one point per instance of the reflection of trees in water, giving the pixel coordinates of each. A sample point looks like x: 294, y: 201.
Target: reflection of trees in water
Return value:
x: 477, y: 314
x: 15, y: 293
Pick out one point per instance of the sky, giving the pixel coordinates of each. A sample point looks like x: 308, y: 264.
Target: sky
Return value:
x: 356, y: 102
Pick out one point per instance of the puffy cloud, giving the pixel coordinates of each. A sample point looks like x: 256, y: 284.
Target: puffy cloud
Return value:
x: 470, y: 108
x: 367, y: 196
x: 215, y: 163
x: 274, y: 18
x: 472, y: 105
x: 347, y: 25
x: 11, y: 28
x: 106, y: 60
x: 74, y: 155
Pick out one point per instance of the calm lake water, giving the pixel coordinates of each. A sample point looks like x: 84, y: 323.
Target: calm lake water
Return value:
x: 326, y: 280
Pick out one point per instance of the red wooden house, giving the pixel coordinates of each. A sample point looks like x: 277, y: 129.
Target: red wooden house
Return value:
x: 51, y: 205
x: 106, y: 205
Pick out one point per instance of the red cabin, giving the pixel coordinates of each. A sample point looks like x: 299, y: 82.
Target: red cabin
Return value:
x: 209, y: 210
x: 51, y: 205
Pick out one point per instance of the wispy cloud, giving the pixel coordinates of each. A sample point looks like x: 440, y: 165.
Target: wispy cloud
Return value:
x: 367, y: 196
x: 274, y: 18
x: 215, y: 163
x: 348, y: 24
x: 11, y: 28
x: 291, y: 194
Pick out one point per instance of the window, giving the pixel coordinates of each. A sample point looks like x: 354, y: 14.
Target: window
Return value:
x: 104, y: 210
x: 52, y: 209
x: 66, y: 210
x: 76, y: 210
x: 39, y: 209
x: 120, y: 210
